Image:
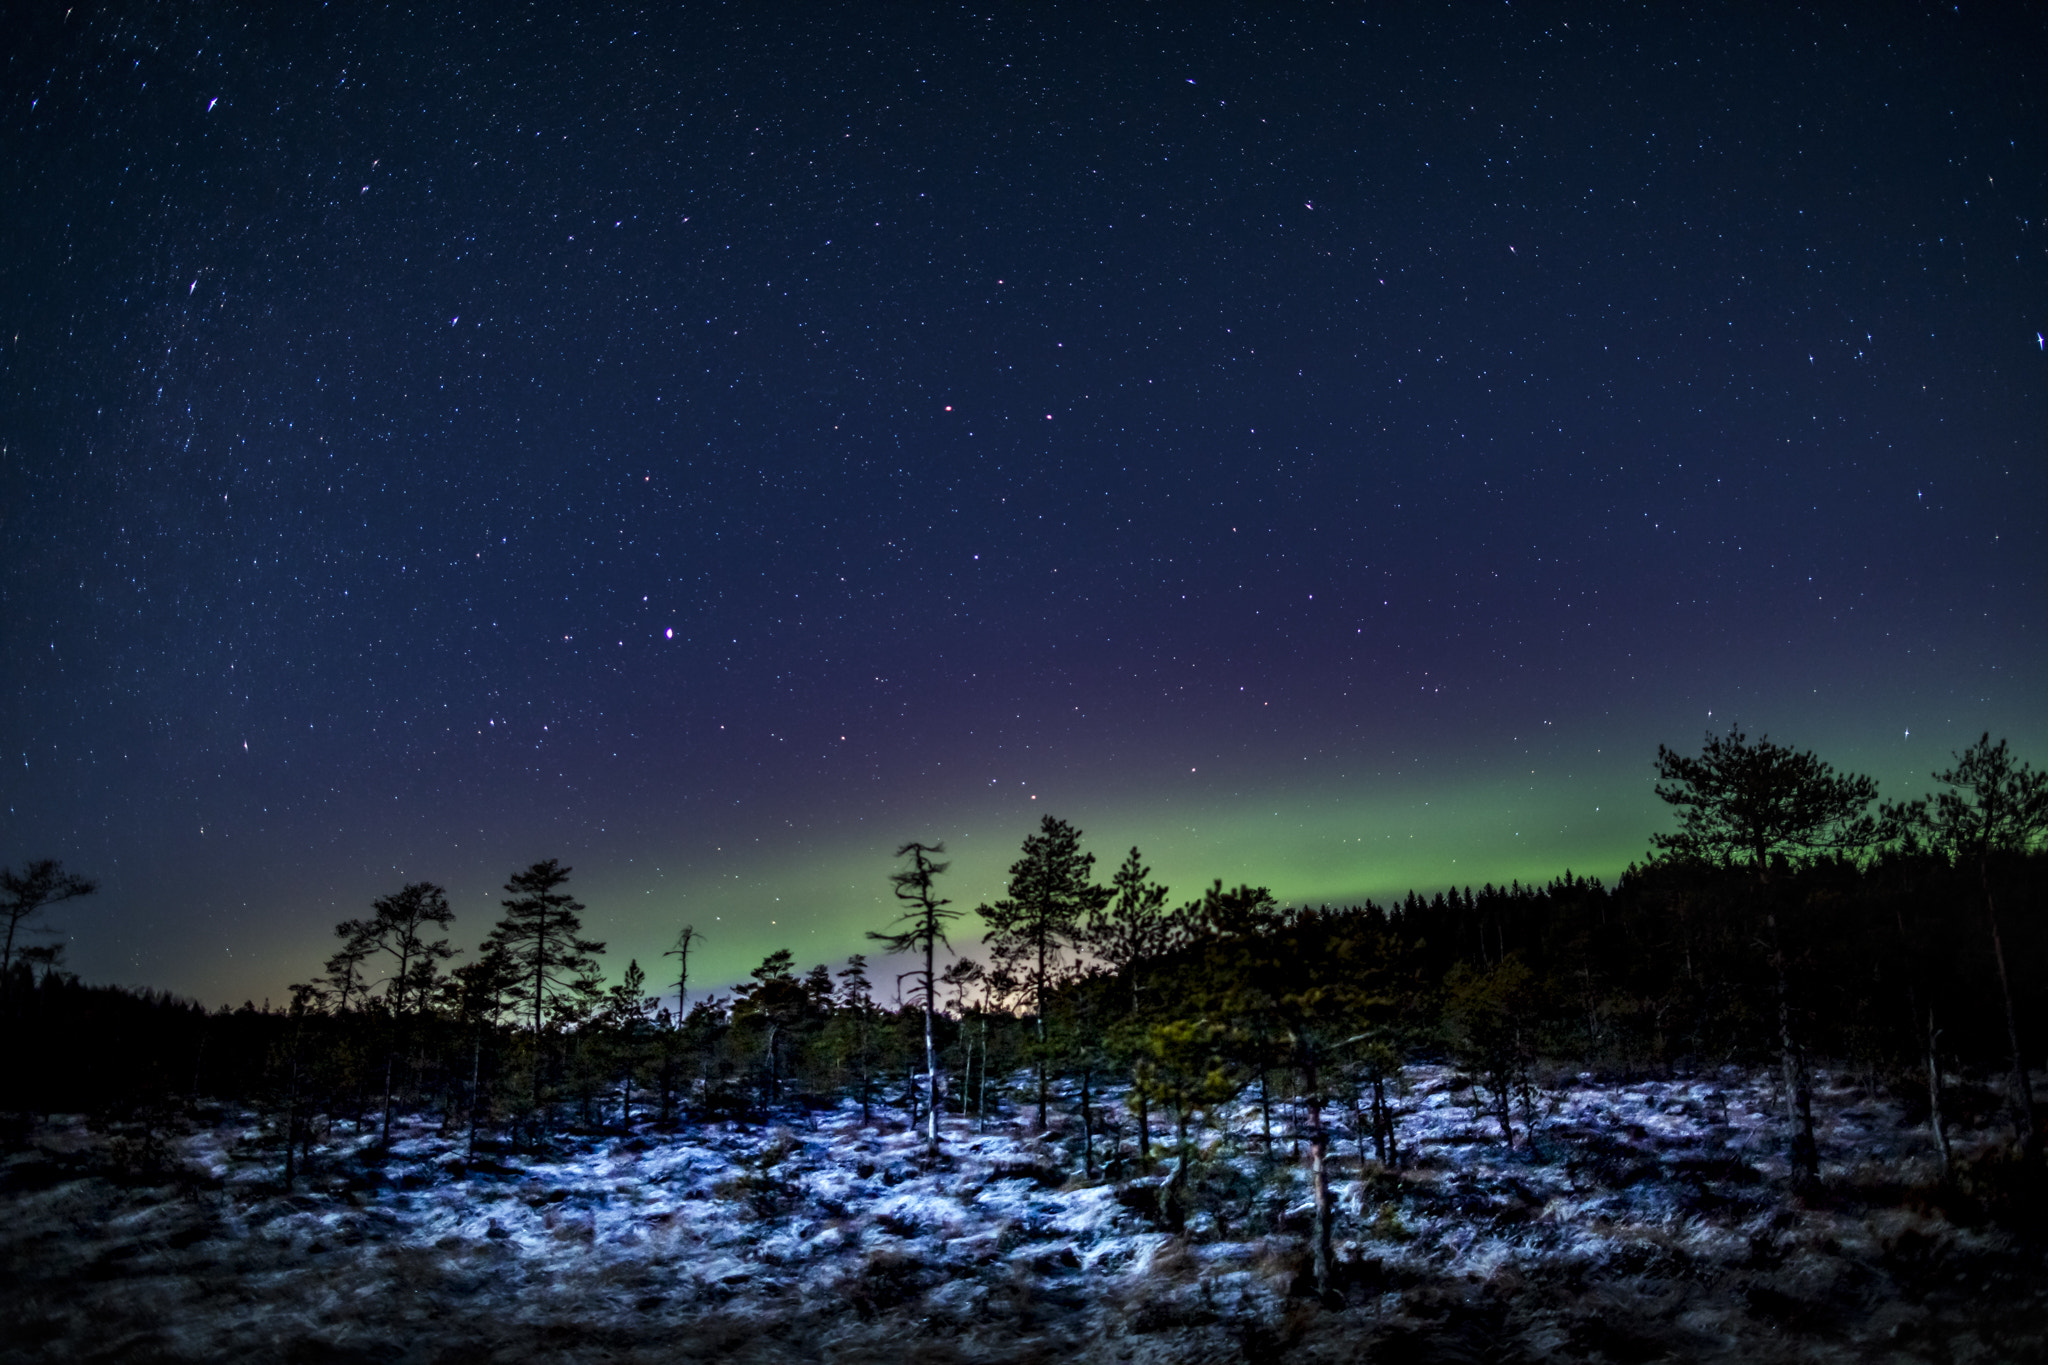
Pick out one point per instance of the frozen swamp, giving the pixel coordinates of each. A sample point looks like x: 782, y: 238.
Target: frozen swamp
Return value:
x: 1645, y: 1221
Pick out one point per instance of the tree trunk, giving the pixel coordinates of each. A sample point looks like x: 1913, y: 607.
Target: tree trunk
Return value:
x: 390, y: 1063
x: 931, y: 1056
x: 291, y: 1123
x: 2022, y: 1084
x: 1935, y: 1120
x: 1039, y: 1001
x: 1805, y: 1152
x: 866, y: 1090
x: 1087, y: 1129
x: 476, y: 1075
x: 1173, y: 1194
x: 539, y: 981
x: 395, y: 997
x: 1319, y: 1172
x: 967, y: 1091
x: 1266, y: 1113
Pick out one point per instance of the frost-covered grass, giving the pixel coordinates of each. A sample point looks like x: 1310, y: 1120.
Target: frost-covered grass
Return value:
x: 1644, y: 1221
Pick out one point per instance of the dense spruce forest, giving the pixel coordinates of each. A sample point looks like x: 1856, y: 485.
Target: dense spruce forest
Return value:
x: 1790, y: 924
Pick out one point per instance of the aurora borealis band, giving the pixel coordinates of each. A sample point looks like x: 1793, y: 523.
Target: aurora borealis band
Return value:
x: 1328, y: 448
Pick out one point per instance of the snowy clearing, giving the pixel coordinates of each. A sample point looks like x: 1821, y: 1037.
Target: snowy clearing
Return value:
x: 1646, y: 1221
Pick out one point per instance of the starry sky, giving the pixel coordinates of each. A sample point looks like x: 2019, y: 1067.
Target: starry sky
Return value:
x: 1328, y: 446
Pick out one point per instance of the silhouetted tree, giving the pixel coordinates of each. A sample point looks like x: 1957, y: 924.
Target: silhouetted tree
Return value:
x: 926, y: 920
x: 1185, y: 1068
x: 1494, y: 1013
x: 775, y: 1002
x: 624, y: 1020
x: 28, y: 893
x: 1051, y: 895
x: 704, y: 1033
x: 854, y: 1015
x: 483, y: 986
x: 681, y: 952
x: 1128, y: 933
x: 540, y: 938
x: 397, y: 927
x: 342, y: 978
x: 305, y: 999
x: 960, y: 976
x: 1992, y: 810
x: 1744, y: 804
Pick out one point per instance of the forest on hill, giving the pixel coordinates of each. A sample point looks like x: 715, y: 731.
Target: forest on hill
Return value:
x: 1177, y: 1054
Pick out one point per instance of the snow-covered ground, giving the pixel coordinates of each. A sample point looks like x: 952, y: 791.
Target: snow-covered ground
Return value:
x: 1646, y: 1221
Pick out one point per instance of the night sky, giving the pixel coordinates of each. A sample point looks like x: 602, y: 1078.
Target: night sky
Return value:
x: 1327, y: 446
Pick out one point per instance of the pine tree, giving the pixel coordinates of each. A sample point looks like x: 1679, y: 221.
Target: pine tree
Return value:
x: 556, y: 969
x: 775, y: 1001
x: 29, y: 892
x: 856, y: 1004
x: 1032, y: 929
x: 1748, y: 805
x: 1492, y: 1012
x: 926, y: 920
x: 624, y: 1017
x: 397, y: 927
x: 1128, y: 933
x: 960, y: 975
x: 484, y: 984
x: 342, y: 976
x: 1992, y: 810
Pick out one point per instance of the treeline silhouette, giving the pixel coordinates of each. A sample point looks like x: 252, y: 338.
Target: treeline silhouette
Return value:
x: 1790, y: 921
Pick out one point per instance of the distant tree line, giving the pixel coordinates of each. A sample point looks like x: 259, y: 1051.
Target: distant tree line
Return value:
x: 1790, y: 918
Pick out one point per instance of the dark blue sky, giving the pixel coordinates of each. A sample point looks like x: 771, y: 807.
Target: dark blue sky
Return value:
x: 1329, y: 447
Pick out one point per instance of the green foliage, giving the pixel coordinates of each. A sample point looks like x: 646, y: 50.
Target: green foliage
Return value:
x: 1744, y: 801
x: 1131, y: 929
x: 554, y: 968
x: 1033, y: 929
x: 1493, y: 1015
x: 770, y: 1008
x: 398, y: 928
x: 1992, y: 806
x: 540, y: 935
x: 1227, y: 1002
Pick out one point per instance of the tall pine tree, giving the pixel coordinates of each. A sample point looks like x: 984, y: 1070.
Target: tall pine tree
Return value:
x: 398, y: 928
x: 556, y: 968
x: 1033, y: 928
x: 1128, y: 933
x: 1993, y: 812
x: 1750, y: 805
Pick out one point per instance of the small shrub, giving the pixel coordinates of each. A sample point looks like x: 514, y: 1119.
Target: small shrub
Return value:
x: 1386, y: 1225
